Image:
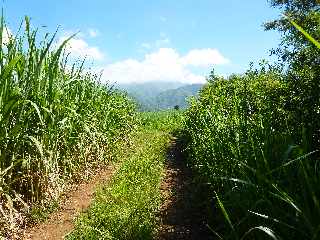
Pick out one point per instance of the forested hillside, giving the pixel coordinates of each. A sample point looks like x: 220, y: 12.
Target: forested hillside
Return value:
x: 161, y: 96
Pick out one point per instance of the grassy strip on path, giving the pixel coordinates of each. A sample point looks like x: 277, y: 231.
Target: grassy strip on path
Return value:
x: 126, y: 208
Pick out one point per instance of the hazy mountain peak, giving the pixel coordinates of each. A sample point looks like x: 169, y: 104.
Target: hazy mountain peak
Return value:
x: 161, y: 95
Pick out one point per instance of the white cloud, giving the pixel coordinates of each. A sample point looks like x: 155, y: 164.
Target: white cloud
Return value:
x: 204, y: 58
x: 93, y: 32
x: 165, y: 64
x: 78, y: 47
x: 7, y: 34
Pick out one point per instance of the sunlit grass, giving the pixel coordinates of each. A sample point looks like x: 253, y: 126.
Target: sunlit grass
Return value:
x: 127, y: 207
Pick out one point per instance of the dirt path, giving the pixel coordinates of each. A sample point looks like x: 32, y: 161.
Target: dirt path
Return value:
x: 60, y: 222
x: 181, y: 213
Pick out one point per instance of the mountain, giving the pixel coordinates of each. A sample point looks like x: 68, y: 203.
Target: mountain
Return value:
x: 176, y: 97
x: 152, y: 96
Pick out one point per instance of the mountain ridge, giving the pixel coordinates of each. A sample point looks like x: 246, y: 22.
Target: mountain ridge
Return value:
x: 153, y: 96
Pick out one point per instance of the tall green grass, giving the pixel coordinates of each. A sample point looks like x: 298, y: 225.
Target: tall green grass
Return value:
x: 169, y: 120
x: 244, y: 142
x: 55, y: 117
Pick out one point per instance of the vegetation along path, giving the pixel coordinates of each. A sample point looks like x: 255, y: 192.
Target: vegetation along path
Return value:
x: 126, y: 208
x: 151, y: 195
x: 252, y: 141
x: 148, y: 194
x: 76, y: 201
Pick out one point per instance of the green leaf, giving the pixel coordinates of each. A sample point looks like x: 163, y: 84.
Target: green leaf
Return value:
x: 307, y: 35
x: 225, y: 213
x: 266, y: 230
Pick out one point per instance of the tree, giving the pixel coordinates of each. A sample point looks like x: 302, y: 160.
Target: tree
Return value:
x: 301, y: 61
x: 294, y: 46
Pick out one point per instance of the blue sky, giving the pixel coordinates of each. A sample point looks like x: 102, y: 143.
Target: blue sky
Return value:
x: 138, y: 40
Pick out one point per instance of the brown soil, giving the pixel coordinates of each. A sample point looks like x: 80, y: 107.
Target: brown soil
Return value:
x: 77, y: 200
x: 181, y: 214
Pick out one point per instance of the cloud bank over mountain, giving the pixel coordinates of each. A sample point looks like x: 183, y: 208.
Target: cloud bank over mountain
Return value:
x: 164, y: 64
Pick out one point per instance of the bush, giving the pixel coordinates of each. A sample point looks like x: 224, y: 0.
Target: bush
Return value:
x: 243, y: 141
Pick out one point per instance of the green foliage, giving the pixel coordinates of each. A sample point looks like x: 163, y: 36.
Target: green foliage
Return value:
x: 307, y: 35
x: 126, y: 209
x: 54, y: 118
x: 170, y: 120
x: 294, y: 47
x: 243, y: 140
x: 255, y: 138
x: 302, y: 64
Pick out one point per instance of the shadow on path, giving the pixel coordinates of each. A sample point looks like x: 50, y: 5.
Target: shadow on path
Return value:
x: 182, y: 214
